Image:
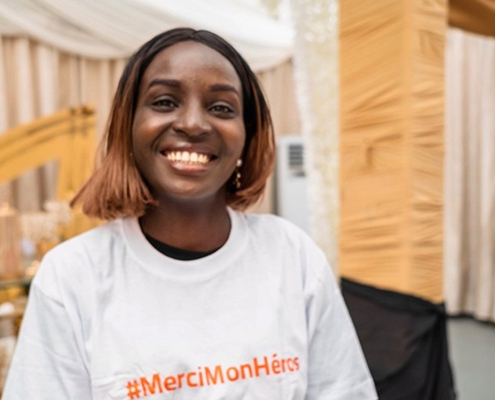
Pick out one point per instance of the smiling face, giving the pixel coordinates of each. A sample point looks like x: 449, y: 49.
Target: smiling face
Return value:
x: 188, y: 130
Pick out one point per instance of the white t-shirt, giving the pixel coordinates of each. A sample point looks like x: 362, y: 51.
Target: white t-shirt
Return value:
x: 111, y: 318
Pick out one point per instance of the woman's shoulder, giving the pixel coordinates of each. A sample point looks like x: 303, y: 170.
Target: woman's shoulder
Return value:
x: 275, y: 226
x: 76, y: 259
x: 280, y: 235
x: 270, y: 221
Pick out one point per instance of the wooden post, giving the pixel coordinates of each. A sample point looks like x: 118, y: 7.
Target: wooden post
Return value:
x: 392, y: 123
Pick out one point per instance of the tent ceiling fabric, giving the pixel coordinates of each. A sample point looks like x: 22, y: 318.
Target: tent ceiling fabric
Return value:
x: 116, y: 28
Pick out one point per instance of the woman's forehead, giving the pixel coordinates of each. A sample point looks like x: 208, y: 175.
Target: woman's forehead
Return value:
x: 189, y: 60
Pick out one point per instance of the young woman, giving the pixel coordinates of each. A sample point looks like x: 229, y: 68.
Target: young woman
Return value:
x: 181, y: 295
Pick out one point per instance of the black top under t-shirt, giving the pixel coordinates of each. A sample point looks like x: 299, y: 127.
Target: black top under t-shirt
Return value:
x: 175, y: 252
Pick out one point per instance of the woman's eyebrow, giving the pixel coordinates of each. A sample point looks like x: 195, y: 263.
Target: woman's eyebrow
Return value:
x: 220, y: 87
x: 165, y: 82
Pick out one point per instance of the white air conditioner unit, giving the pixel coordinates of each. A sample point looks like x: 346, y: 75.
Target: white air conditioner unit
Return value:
x: 292, y: 201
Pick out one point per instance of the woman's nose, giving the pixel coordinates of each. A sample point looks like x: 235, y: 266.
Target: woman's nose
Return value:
x: 192, y: 120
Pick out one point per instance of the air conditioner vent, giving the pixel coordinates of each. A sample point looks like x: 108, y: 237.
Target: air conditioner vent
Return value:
x: 292, y: 194
x: 296, y: 159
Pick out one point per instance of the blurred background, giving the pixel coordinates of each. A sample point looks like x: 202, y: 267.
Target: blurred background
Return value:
x: 384, y: 114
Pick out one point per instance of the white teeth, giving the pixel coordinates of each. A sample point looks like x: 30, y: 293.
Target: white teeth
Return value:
x: 187, y: 158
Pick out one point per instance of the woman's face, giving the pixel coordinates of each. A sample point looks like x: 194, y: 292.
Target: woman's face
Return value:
x: 188, y: 130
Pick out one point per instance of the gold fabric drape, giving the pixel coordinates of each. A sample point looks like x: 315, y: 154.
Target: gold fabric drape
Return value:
x: 476, y: 16
x: 38, y: 80
x: 66, y: 136
x: 392, y: 121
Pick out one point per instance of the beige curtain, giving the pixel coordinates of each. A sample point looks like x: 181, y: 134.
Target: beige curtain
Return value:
x: 37, y: 80
x: 278, y: 87
x: 470, y: 175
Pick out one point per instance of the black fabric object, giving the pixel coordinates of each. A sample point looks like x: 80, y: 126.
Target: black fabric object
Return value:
x: 175, y: 252
x: 404, y: 340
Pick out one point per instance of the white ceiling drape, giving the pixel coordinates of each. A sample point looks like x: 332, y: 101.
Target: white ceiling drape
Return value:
x: 109, y: 29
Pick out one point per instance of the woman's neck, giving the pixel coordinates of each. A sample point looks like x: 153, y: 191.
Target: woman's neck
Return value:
x: 188, y: 226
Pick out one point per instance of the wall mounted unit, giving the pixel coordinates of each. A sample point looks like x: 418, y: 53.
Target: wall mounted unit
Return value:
x: 292, y: 201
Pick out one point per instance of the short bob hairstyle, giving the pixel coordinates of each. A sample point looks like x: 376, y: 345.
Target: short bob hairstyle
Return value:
x: 117, y: 189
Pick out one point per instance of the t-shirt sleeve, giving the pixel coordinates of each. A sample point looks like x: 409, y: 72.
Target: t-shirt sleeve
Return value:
x: 47, y: 363
x: 337, y: 369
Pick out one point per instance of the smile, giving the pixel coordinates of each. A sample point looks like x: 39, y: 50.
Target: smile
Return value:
x: 186, y: 157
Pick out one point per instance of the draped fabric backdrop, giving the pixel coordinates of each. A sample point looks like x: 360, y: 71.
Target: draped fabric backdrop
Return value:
x: 110, y: 29
x: 279, y: 88
x: 36, y: 80
x: 316, y: 72
x: 470, y: 175
x: 55, y: 55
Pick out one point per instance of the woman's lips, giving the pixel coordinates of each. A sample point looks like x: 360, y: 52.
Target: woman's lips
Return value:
x: 188, y: 157
x: 187, y: 161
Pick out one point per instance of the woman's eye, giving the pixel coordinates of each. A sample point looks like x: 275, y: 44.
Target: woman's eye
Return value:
x: 222, y: 109
x: 164, y: 103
